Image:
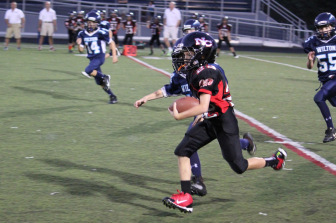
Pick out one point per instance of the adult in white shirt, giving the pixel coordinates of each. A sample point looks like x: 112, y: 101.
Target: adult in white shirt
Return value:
x: 171, y: 21
x: 15, y: 20
x: 47, y: 25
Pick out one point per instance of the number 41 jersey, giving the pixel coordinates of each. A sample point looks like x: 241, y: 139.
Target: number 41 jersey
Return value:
x: 325, y: 53
x: 95, y: 42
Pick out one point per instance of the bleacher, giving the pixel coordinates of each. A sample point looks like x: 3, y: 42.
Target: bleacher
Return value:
x: 197, y: 5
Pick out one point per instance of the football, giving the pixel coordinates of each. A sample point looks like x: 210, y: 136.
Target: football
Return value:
x: 185, y: 103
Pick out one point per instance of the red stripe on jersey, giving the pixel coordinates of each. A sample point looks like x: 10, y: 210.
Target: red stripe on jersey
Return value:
x: 218, y: 99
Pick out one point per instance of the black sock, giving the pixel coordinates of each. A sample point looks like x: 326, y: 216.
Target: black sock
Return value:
x: 186, y: 186
x: 271, y: 161
x: 234, y: 54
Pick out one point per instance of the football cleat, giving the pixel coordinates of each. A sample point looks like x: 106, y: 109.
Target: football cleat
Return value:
x: 330, y: 135
x: 281, y: 156
x: 236, y: 57
x: 197, y: 186
x: 113, y: 99
x: 182, y: 201
x: 252, y: 148
x: 106, y: 82
x: 86, y: 75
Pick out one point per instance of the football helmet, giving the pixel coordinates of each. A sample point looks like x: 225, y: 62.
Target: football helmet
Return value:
x: 114, y: 13
x: 81, y: 13
x: 93, y: 17
x: 325, y: 19
x: 195, y: 16
x: 72, y: 13
x: 196, y: 49
x: 191, y: 25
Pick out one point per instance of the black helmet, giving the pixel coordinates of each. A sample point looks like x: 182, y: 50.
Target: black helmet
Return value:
x: 202, y: 48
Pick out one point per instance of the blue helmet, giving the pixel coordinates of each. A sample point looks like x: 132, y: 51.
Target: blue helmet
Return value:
x: 104, y: 25
x: 92, y: 16
x: 322, y: 20
x: 191, y: 24
x: 203, y: 47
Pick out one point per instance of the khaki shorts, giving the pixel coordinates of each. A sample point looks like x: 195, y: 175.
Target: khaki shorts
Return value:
x: 47, y: 29
x: 14, y: 29
x: 170, y: 32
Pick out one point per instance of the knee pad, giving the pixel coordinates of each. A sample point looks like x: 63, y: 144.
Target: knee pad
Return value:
x: 88, y: 70
x: 239, y: 166
x: 319, y: 96
x: 179, y: 151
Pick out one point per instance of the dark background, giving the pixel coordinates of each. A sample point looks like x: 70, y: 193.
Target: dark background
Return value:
x: 307, y: 10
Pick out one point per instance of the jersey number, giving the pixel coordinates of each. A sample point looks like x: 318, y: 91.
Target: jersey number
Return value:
x: 325, y: 60
x: 93, y: 47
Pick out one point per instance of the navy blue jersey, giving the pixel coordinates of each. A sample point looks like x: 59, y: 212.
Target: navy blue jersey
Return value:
x: 325, y: 53
x: 178, y: 84
x: 95, y: 42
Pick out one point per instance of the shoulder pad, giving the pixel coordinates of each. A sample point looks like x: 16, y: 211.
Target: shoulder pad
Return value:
x: 211, y: 67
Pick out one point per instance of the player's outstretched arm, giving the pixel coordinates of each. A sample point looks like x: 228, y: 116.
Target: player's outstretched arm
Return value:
x: 194, y: 111
x: 114, y: 52
x: 155, y: 95
x: 79, y: 44
x: 311, y: 60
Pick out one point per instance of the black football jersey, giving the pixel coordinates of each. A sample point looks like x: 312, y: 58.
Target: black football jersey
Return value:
x: 209, y: 80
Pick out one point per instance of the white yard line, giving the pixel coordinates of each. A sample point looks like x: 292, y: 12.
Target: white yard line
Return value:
x: 283, y: 64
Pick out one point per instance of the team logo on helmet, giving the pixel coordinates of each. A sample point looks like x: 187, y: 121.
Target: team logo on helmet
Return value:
x: 203, y: 42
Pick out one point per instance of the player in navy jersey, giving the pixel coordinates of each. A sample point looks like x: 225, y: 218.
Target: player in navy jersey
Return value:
x: 178, y: 86
x: 224, y: 34
x: 156, y: 28
x: 194, y: 56
x: 94, y: 39
x: 322, y: 46
x: 130, y: 29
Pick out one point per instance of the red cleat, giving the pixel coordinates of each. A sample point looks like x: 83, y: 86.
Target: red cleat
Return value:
x: 182, y: 201
x: 281, y: 156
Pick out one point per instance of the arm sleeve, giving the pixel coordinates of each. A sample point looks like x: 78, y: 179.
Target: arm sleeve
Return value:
x: 308, y: 45
x: 21, y: 14
x: 173, y: 88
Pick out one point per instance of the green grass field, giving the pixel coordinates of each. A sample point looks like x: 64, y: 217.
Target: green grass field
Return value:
x: 68, y: 156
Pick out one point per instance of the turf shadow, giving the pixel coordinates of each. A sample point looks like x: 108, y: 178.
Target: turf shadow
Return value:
x: 79, y: 187
x: 77, y: 74
x: 127, y: 177
x: 54, y: 95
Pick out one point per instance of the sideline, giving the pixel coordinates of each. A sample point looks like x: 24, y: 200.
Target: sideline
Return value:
x: 276, y: 136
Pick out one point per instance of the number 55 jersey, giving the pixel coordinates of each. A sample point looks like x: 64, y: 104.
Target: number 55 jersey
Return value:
x: 325, y: 53
x: 95, y: 42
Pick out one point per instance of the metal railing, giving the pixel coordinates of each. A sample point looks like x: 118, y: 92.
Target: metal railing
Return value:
x: 251, y: 27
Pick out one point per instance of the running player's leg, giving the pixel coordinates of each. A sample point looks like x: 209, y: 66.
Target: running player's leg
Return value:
x: 327, y: 92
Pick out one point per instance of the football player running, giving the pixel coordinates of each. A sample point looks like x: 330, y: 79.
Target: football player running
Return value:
x: 322, y: 46
x: 178, y: 86
x: 94, y: 40
x: 196, y: 53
